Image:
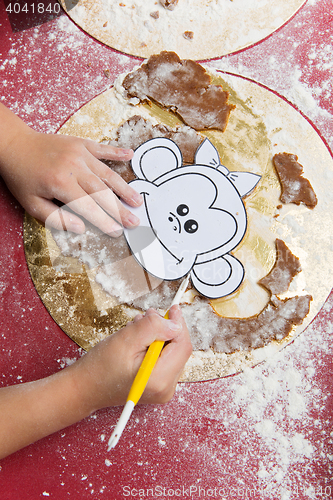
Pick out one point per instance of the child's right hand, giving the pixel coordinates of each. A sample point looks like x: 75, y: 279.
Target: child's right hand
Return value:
x: 105, y: 374
x: 101, y: 378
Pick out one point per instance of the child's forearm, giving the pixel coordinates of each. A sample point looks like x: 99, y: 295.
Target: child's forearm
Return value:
x: 31, y: 411
x: 10, y: 127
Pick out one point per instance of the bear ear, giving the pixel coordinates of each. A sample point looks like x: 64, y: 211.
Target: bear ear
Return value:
x: 207, y: 155
x: 156, y: 157
x: 219, y: 277
x: 244, y: 182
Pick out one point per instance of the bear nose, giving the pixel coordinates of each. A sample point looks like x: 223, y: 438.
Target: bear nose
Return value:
x: 174, y: 219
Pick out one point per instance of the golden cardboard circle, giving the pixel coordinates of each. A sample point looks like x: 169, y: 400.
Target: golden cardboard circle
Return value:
x: 195, y: 29
x: 261, y: 125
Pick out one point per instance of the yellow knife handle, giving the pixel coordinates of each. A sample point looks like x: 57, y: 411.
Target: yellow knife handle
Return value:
x: 146, y: 367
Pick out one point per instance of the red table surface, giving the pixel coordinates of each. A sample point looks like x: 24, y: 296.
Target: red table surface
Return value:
x: 264, y: 434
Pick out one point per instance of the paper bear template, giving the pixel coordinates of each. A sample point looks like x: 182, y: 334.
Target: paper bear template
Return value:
x: 191, y: 218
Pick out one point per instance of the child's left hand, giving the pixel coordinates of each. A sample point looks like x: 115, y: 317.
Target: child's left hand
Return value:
x: 40, y: 168
x: 47, y: 167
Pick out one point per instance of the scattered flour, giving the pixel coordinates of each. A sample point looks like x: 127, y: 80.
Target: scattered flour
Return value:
x: 273, y: 414
x: 280, y: 399
x: 63, y: 362
x: 225, y: 25
x: 296, y: 62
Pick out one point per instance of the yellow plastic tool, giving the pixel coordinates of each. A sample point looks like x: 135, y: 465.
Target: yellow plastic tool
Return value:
x: 142, y: 376
x: 144, y: 372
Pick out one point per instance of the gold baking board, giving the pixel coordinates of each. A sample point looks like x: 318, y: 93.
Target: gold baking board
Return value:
x: 219, y: 27
x: 262, y: 125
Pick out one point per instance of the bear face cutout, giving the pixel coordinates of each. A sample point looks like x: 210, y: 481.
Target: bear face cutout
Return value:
x: 195, y: 215
x: 188, y: 225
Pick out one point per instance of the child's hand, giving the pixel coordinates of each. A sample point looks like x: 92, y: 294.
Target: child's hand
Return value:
x: 101, y: 378
x: 39, y: 168
x: 107, y: 372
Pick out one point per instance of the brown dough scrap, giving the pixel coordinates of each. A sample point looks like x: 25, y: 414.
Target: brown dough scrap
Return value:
x: 275, y: 322
x: 295, y: 188
x: 137, y: 130
x: 169, y: 4
x: 188, y: 35
x: 183, y: 87
x: 286, y: 266
x: 228, y: 335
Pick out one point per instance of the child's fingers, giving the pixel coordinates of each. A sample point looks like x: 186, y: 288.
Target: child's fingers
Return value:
x: 92, y: 212
x: 110, y: 203
x: 166, y: 373
x: 175, y: 314
x: 116, y: 183
x: 108, y: 152
x: 171, y: 363
x: 140, y: 334
x: 95, y: 202
x: 176, y: 353
x: 138, y: 317
x: 106, y: 198
x: 112, y: 364
x: 55, y: 217
x: 83, y: 204
x: 65, y: 220
x: 152, y: 327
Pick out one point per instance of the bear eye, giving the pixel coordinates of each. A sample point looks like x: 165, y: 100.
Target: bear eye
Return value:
x: 191, y: 226
x: 182, y: 210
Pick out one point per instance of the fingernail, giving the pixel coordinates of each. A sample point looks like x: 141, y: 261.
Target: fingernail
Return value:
x: 127, y: 152
x: 137, y: 199
x: 133, y: 220
x: 115, y: 233
x: 174, y: 326
x: 177, y: 312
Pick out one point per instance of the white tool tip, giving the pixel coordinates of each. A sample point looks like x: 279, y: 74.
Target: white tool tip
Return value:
x: 121, y: 424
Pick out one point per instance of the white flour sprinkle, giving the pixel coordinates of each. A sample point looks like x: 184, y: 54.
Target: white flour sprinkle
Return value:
x: 273, y: 414
x: 301, y: 72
